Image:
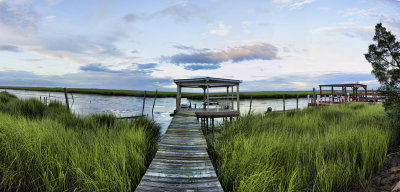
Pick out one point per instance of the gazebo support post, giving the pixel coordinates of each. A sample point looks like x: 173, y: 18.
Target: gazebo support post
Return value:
x: 208, y: 97
x: 204, y: 98
x: 237, y: 97
x: 232, y: 96
x: 178, y: 97
x: 366, y: 92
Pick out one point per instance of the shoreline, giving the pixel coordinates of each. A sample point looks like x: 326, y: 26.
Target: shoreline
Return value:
x: 115, y: 92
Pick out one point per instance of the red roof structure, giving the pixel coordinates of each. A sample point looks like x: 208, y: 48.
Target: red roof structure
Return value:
x: 336, y: 97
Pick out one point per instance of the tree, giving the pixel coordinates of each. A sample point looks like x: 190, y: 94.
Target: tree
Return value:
x: 384, y: 57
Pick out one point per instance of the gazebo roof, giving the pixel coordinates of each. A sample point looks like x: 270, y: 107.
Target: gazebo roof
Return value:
x: 344, y: 85
x: 206, y: 81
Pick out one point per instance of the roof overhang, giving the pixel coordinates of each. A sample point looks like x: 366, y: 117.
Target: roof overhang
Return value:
x: 356, y: 85
x: 206, y: 82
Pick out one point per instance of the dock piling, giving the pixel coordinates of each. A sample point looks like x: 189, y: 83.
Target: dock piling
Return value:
x: 144, y: 102
x: 66, y: 97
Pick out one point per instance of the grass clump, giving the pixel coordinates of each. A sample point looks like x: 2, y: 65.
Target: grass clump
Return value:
x: 47, y: 148
x: 331, y: 148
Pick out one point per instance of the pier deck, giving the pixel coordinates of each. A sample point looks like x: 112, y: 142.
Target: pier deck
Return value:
x: 181, y: 162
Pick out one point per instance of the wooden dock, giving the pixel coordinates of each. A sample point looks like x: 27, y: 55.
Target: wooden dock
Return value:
x: 182, y: 162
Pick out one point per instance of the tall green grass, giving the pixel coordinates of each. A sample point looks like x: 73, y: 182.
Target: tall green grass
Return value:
x: 47, y: 148
x: 331, y: 148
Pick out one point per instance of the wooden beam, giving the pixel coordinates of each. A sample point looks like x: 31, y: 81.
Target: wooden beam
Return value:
x: 154, y: 102
x: 144, y: 102
x: 314, y: 97
x: 178, y: 97
x: 320, y: 91
x: 66, y: 97
x: 204, y: 98
x: 208, y: 97
x: 237, y: 97
x: 232, y: 96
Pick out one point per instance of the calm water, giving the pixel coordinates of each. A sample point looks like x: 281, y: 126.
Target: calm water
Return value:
x: 122, y: 106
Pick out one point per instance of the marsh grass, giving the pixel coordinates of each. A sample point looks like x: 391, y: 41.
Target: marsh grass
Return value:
x: 243, y: 95
x: 330, y: 148
x: 47, y: 148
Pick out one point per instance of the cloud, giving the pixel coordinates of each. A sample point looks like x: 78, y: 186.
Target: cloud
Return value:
x: 146, y: 66
x: 131, y: 18
x: 189, y: 48
x: 293, y: 4
x: 220, y: 29
x: 213, y: 59
x: 353, y: 31
x: 124, y: 79
x: 180, y: 12
x: 19, y: 15
x: 31, y: 59
x: 392, y: 20
x: 195, y: 67
x: 11, y: 48
x: 305, y: 81
x: 96, y: 67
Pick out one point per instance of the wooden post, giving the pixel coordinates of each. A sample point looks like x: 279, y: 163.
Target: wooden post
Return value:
x: 204, y: 98
x: 366, y: 93
x: 208, y: 97
x: 358, y: 97
x: 320, y: 90
x: 40, y: 98
x: 144, y: 102
x: 284, y: 103
x: 232, y: 96
x: 195, y: 106
x: 178, y: 97
x: 212, y: 126
x: 297, y: 102
x: 238, y: 97
x: 332, y: 99
x: 154, y: 102
x: 251, y: 101
x: 314, y: 97
x: 66, y: 97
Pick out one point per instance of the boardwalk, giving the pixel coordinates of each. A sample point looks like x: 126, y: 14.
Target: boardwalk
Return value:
x: 181, y: 162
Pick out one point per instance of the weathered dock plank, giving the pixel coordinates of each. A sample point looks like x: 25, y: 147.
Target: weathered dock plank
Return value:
x: 182, y: 162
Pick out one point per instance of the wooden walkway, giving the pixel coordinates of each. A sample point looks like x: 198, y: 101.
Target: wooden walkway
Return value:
x: 182, y: 162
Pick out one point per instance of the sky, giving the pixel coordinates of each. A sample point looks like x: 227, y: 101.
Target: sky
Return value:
x: 271, y: 45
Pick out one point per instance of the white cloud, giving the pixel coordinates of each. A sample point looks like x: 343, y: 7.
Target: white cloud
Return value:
x: 392, y: 21
x: 363, y: 32
x: 293, y: 4
x: 220, y: 29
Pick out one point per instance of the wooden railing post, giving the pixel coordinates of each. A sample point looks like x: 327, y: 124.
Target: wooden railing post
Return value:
x: 284, y: 103
x: 66, y: 97
x: 154, y: 102
x: 144, y: 102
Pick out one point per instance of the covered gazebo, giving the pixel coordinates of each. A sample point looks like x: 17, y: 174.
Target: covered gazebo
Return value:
x: 206, y: 83
x: 342, y: 96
